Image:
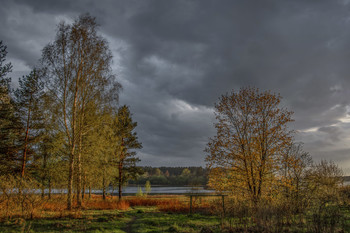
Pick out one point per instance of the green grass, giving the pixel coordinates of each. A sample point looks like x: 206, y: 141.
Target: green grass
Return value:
x: 91, y: 221
x: 140, y: 219
x: 149, y: 220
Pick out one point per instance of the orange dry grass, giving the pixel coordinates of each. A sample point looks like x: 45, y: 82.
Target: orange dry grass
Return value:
x: 174, y: 206
x: 54, y: 205
x: 107, y: 205
x: 171, y: 203
x: 57, y: 205
x: 183, y: 206
x: 139, y: 201
x: 95, y: 202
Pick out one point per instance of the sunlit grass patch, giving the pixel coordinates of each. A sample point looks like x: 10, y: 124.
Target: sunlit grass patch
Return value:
x: 174, y: 222
x: 90, y: 221
x: 157, y: 214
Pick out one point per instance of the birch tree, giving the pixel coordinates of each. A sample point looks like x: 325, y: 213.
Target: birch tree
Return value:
x: 251, y: 136
x: 78, y: 72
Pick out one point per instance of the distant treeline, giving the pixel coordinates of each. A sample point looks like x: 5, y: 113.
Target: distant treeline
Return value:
x: 172, y: 176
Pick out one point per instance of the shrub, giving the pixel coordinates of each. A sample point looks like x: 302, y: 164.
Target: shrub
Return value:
x: 19, y: 197
x: 108, y: 204
x: 139, y: 192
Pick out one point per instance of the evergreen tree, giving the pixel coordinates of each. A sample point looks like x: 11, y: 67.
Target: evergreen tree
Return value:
x: 28, y: 99
x: 125, y: 142
x: 10, y: 126
x: 4, y: 68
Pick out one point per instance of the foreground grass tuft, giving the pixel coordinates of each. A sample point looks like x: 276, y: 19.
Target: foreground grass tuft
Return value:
x: 137, y: 219
x: 170, y: 214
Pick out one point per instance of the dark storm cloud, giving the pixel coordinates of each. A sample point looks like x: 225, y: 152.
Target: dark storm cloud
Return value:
x: 175, y: 58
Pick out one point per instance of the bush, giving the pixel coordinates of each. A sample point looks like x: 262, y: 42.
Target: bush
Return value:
x: 19, y: 197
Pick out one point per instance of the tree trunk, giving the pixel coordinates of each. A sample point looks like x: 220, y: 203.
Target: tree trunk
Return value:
x: 44, y: 175
x: 83, y: 193
x: 72, y: 142
x: 72, y: 154
x: 120, y: 181
x: 70, y: 180
x: 50, y: 188
x: 103, y: 188
x: 24, y: 158
x: 84, y: 188
x: 42, y: 192
x: 79, y: 180
x: 120, y: 170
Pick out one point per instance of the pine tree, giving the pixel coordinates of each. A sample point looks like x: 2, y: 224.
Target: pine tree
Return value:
x: 10, y: 125
x: 4, y: 68
x: 125, y: 142
x: 29, y: 106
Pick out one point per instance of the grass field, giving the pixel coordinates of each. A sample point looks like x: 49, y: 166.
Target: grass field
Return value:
x: 164, y: 213
x: 136, y: 219
x: 161, y: 214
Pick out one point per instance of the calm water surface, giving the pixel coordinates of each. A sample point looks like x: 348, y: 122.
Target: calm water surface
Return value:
x: 154, y: 190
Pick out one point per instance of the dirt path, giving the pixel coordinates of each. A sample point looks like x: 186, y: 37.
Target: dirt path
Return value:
x: 129, y: 225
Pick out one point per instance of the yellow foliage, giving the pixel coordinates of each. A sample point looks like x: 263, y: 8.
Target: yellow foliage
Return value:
x: 252, y: 135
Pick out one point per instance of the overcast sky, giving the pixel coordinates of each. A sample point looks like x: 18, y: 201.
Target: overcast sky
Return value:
x: 175, y: 58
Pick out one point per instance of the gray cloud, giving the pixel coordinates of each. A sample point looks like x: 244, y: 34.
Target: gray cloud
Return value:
x: 175, y: 58
x: 333, y: 132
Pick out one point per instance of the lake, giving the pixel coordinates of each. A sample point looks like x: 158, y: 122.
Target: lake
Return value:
x: 154, y: 190
x: 165, y: 190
